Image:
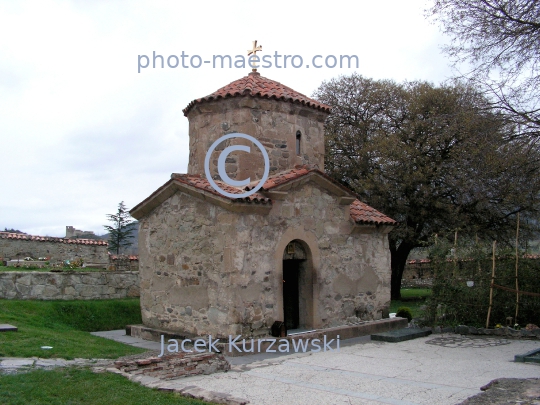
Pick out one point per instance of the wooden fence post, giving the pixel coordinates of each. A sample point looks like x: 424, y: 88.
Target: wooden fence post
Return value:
x: 491, y: 286
x: 517, y: 269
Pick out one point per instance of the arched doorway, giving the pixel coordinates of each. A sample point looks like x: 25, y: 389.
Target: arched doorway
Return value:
x: 297, y: 286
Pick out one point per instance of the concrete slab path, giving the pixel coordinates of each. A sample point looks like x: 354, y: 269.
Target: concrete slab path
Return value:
x: 442, y: 369
x: 120, y: 336
x: 369, y: 373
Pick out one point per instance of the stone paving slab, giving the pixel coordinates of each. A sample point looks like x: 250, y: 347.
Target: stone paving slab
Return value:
x: 532, y: 356
x: 5, y: 327
x: 18, y: 365
x: 368, y: 373
x: 456, y: 341
x: 400, y: 335
x: 120, y: 336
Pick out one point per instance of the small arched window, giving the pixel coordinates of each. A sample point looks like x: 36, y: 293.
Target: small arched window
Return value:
x: 298, y: 137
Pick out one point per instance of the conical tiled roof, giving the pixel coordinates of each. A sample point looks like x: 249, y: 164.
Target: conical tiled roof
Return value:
x: 255, y: 85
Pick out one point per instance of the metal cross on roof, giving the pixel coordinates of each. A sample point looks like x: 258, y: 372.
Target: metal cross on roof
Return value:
x: 254, y: 52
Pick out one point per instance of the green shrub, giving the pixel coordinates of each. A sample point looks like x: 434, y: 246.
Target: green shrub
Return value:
x: 404, y: 312
x: 454, y: 301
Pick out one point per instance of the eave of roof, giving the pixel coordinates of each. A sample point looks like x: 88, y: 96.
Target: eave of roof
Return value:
x: 198, y: 186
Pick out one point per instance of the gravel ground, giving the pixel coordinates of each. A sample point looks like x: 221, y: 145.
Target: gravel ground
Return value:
x: 508, y: 391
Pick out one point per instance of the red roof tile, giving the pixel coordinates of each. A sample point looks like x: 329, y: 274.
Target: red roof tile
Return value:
x: 255, y: 85
x: 360, y: 212
x: 283, y: 177
x: 9, y: 235
x: 202, y: 184
x: 293, y: 174
x: 364, y: 214
x: 130, y: 257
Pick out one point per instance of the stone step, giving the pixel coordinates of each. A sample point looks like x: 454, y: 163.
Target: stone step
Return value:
x: 400, y: 335
x: 4, y: 327
x: 530, y: 357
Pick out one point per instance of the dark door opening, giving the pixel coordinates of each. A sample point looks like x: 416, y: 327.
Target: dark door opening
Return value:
x: 291, y: 293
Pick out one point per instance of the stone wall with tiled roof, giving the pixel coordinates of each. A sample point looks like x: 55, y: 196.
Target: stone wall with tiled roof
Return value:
x: 22, y: 236
x: 255, y: 85
x: 16, y: 245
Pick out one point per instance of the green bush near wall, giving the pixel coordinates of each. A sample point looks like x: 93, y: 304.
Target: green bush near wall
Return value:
x: 454, y: 302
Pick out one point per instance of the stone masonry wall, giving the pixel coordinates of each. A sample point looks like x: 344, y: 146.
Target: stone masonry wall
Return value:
x: 53, y: 248
x: 75, y: 285
x: 205, y: 270
x: 273, y: 123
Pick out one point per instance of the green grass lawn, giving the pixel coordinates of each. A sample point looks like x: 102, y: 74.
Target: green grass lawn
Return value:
x: 413, y: 298
x: 74, y: 386
x: 64, y: 325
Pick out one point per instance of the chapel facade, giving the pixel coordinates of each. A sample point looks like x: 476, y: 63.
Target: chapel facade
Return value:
x: 302, y: 250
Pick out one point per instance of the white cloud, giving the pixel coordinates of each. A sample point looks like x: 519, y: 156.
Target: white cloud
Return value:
x: 81, y: 130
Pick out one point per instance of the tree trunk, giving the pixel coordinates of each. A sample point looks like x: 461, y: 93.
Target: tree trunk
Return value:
x: 399, y: 257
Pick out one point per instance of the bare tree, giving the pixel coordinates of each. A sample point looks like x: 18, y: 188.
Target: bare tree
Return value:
x: 499, y: 42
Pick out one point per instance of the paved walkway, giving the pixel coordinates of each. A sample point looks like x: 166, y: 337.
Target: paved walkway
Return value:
x: 444, y: 372
x: 120, y: 336
x: 438, y: 369
x: 12, y: 365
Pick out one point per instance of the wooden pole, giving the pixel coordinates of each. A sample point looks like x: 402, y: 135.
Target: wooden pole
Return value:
x: 479, y: 265
x: 517, y: 269
x: 491, y: 286
x: 455, y: 255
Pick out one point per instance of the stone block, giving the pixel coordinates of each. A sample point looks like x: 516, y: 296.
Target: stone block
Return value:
x: 401, y: 335
x: 5, y: 327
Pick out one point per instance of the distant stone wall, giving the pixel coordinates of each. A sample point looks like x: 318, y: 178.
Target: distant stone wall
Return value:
x: 123, y: 263
x: 73, y: 285
x: 13, y: 246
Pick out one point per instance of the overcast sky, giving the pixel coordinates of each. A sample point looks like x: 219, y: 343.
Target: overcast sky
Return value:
x: 82, y: 130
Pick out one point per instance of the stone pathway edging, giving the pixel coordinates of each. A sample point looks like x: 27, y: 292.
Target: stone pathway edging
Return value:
x: 190, y: 391
x: 503, y: 331
x: 14, y: 365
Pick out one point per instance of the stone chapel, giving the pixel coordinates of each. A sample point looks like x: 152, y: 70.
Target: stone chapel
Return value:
x: 302, y: 250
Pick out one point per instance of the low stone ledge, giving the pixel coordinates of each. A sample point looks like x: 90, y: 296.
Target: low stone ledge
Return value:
x: 68, y: 285
x: 504, y: 331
